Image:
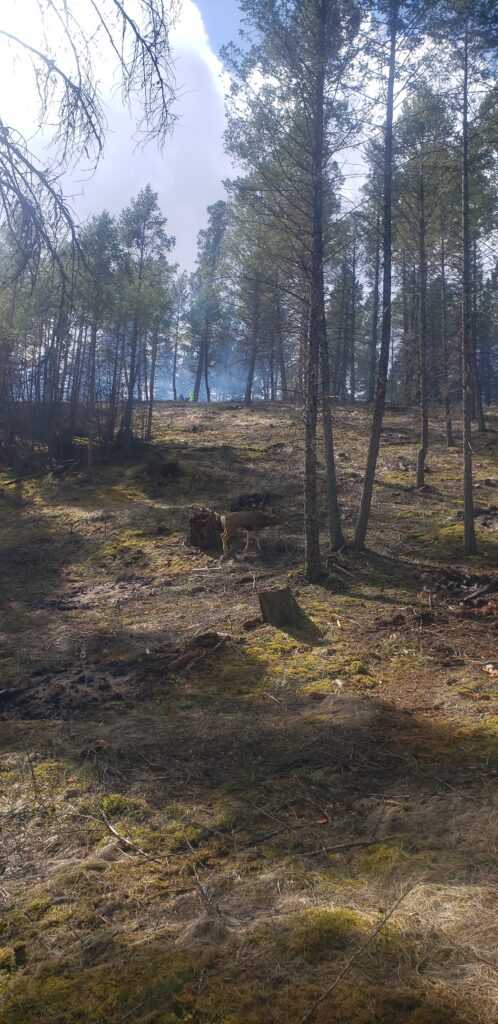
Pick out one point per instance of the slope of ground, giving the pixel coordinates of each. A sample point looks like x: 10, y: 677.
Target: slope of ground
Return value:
x: 206, y: 819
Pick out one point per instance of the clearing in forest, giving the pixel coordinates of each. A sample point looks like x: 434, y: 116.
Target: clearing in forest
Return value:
x: 207, y: 819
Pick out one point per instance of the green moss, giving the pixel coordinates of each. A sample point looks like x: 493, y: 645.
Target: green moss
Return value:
x: 179, y: 838
x: 358, y: 668
x: 37, y: 907
x: 7, y: 958
x: 115, y: 805
x: 153, y: 979
x: 317, y: 933
x: 380, y: 859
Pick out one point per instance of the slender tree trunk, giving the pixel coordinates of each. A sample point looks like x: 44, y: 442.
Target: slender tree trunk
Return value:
x: 352, y: 379
x: 317, y: 333
x: 478, y: 410
x: 254, y: 343
x: 91, y: 397
x: 280, y: 350
x: 175, y: 357
x: 202, y: 360
x: 422, y: 326
x: 334, y: 513
x: 206, y: 367
x: 341, y: 331
x: 470, y: 544
x: 444, y: 350
x: 375, y: 317
x: 132, y: 376
x: 380, y: 391
x: 152, y: 382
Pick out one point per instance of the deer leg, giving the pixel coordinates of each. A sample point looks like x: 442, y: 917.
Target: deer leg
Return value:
x: 258, y: 543
x: 224, y: 538
x: 248, y: 537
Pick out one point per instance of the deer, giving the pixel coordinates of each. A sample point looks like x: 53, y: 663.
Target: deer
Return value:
x: 251, y: 520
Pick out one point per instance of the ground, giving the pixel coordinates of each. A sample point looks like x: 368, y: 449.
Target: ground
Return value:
x: 206, y: 819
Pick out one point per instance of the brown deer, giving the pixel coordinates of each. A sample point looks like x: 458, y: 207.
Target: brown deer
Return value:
x: 251, y: 520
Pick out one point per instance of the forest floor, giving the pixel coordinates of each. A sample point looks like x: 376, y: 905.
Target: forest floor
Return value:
x: 207, y: 819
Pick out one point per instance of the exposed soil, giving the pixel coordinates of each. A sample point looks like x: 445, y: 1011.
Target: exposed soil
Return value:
x: 206, y: 819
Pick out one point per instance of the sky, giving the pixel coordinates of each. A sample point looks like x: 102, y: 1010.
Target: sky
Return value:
x: 188, y: 174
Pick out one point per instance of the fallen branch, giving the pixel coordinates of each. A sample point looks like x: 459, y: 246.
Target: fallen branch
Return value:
x: 338, y: 568
x: 346, y: 846
x: 310, y: 1014
x: 127, y: 842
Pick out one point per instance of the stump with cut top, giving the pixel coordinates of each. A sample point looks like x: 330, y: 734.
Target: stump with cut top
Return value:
x: 279, y: 607
x: 205, y: 530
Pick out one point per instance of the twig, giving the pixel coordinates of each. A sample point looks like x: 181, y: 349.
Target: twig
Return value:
x: 340, y: 568
x: 132, y: 1011
x: 203, y: 891
x: 346, y: 846
x: 309, y: 1016
x: 127, y: 842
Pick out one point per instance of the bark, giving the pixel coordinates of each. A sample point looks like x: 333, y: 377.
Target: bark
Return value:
x: 375, y: 317
x: 478, y: 410
x: 280, y: 351
x: 202, y: 359
x: 380, y: 391
x: 470, y: 544
x: 317, y: 333
x: 206, y: 367
x: 253, y: 343
x: 127, y: 421
x: 152, y: 382
x: 422, y: 326
x: 279, y: 607
x: 341, y: 332
x: 352, y: 379
x: 444, y: 351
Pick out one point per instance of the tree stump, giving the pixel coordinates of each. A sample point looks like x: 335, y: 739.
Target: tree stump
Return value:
x: 205, y: 530
x: 279, y: 607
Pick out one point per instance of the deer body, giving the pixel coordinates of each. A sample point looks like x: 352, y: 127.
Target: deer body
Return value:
x: 251, y: 521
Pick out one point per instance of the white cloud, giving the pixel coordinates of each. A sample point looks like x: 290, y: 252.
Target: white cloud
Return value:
x: 187, y: 175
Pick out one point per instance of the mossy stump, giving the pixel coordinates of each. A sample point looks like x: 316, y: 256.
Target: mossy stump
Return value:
x: 279, y: 607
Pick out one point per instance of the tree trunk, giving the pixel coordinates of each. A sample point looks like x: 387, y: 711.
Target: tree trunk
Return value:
x: 352, y: 379
x: 206, y: 367
x: 444, y: 351
x: 380, y: 391
x: 152, y: 383
x: 202, y: 359
x: 254, y: 344
x: 478, y: 411
x: 334, y: 512
x: 175, y: 353
x: 470, y: 544
x: 317, y: 338
x: 375, y: 317
x: 422, y: 326
x: 127, y: 421
x: 280, y: 351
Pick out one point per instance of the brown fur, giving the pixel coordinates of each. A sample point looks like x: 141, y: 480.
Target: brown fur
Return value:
x: 248, y: 520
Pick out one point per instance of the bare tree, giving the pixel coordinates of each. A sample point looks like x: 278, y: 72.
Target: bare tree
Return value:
x: 76, y: 35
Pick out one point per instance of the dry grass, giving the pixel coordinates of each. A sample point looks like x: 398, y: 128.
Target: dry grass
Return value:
x: 274, y: 800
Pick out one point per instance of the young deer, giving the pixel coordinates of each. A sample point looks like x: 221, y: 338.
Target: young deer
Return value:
x: 251, y: 520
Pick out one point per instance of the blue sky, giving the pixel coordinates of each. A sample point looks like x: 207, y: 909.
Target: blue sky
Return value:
x: 222, y: 21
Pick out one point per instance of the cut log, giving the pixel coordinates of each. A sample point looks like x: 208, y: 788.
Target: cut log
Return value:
x: 279, y: 607
x: 205, y: 530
